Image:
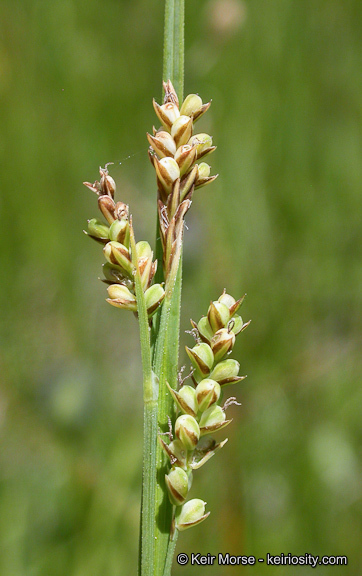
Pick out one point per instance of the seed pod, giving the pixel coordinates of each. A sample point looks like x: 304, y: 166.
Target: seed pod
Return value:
x: 143, y: 249
x: 187, y: 430
x: 153, y: 298
x: 213, y: 419
x: 177, y: 483
x: 185, y: 157
x: 121, y: 297
x: 218, y: 315
x: 107, y: 184
x: 204, y: 177
x: 185, y: 399
x: 167, y: 171
x: 162, y: 143
x: 207, y: 393
x: 226, y: 299
x: 167, y: 113
x: 231, y: 303
x: 204, y: 170
x: 205, y: 330
x: 181, y: 130
x: 222, y: 343
x: 191, y: 104
x: 107, y: 207
x: 202, y: 359
x: 191, y: 514
x: 116, y: 253
x: 119, y: 232
x: 226, y: 372
x: 203, y: 144
x: 97, y: 230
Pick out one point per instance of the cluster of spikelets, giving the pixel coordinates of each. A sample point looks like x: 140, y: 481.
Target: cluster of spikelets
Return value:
x: 199, y: 408
x: 175, y: 152
x: 115, y: 236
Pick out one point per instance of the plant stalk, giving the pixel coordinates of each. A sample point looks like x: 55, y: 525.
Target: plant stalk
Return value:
x: 157, y: 548
x: 150, y: 426
x: 166, y: 349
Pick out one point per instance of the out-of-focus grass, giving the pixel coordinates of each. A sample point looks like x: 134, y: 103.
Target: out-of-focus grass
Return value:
x: 282, y: 223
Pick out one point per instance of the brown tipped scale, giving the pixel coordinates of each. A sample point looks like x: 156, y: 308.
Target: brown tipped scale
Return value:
x: 191, y: 514
x: 222, y: 342
x: 187, y: 431
x: 213, y: 419
x: 167, y: 171
x: 175, y: 451
x: 204, y: 181
x: 118, y: 254
x: 173, y: 200
x: 167, y: 113
x: 170, y: 93
x: 185, y: 401
x: 108, y: 185
x: 205, y: 450
x: 188, y: 182
x: 204, y: 108
x: 177, y: 482
x: 162, y: 143
x: 121, y: 297
x: 107, y: 207
x: 181, y: 130
x: 185, y: 157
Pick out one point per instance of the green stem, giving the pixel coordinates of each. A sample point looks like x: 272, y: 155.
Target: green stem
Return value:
x: 165, y: 365
x: 165, y: 334
x: 174, y: 45
x: 150, y: 424
x: 170, y: 554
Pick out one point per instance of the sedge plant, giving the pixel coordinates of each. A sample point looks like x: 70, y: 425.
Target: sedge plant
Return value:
x: 180, y: 414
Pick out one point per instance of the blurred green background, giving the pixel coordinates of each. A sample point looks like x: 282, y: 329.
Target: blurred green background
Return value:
x: 282, y: 223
